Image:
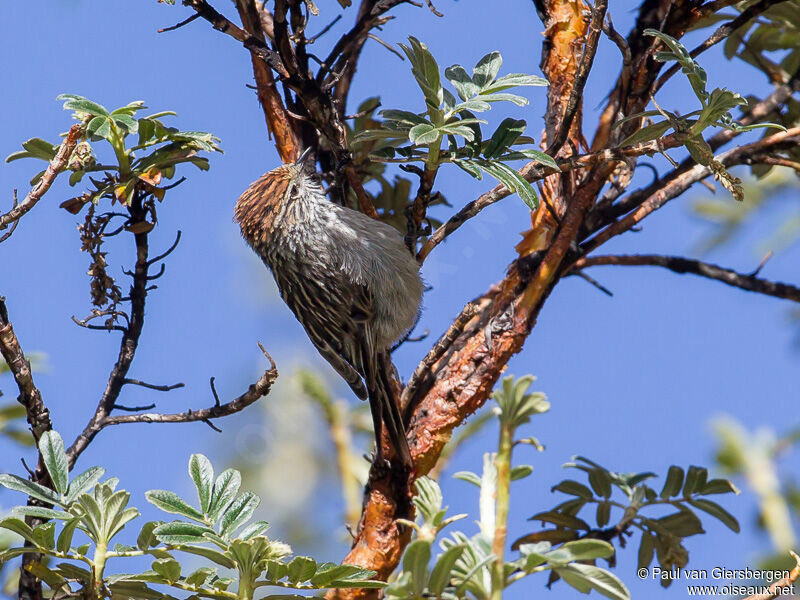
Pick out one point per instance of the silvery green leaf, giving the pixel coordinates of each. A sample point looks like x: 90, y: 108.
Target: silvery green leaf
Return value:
x: 253, y: 530
x: 403, y: 116
x: 415, y: 561
x: 513, y: 98
x: 425, y: 71
x: 718, y: 104
x: 469, y: 477
x: 487, y: 69
x: 514, y: 80
x: 300, y: 568
x: 424, y: 134
x: 238, y: 512
x: 41, y: 512
x: 461, y: 80
x: 177, y: 533
x: 18, y: 484
x: 172, y: 503
x: 64, y: 541
x: 442, y: 570
x: 19, y: 527
x: 475, y: 104
x: 202, y: 474
x: 51, y: 446
x: 84, y: 482
x: 83, y: 105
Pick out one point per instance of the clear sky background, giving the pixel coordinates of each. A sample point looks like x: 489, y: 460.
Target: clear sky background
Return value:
x: 635, y: 380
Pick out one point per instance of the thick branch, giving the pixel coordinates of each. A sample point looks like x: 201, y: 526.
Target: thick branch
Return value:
x: 279, y: 122
x: 56, y: 165
x: 677, y: 264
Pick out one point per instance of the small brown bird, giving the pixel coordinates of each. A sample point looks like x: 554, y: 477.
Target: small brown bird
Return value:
x: 348, y: 279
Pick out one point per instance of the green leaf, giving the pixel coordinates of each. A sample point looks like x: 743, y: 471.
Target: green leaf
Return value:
x: 177, y: 533
x: 84, y: 482
x: 719, y: 103
x: 202, y: 473
x: 574, y: 488
x: 425, y: 71
x: 99, y: 127
x: 506, y: 134
x: 561, y: 520
x: 646, y: 550
x: 45, y: 535
x: 51, y: 447
x: 415, y: 561
x: 468, y: 476
x: 146, y: 538
x: 461, y: 80
x: 715, y: 510
x: 487, y: 69
x: 238, y: 512
x: 600, y: 480
x: 172, y: 503
x: 423, y: 134
x: 718, y: 486
x: 443, y: 569
x: 39, y: 148
x: 587, y: 577
x: 253, y: 530
x: 514, y: 80
x: 647, y: 133
x: 168, y: 568
x: 19, y: 527
x: 520, y: 472
x: 475, y: 172
x: 673, y: 483
x: 83, y: 105
x: 225, y: 489
x: 41, y: 512
x: 587, y: 549
x: 513, y: 98
x: 301, y: 568
x: 403, y: 116
x: 64, y: 541
x: 695, y: 480
x: 211, y: 554
x: 512, y: 180
x: 127, y: 123
x: 603, y: 514
x: 53, y: 579
x: 681, y: 524
x: 18, y: 484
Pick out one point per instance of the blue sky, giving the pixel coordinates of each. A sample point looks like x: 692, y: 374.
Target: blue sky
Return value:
x: 634, y: 380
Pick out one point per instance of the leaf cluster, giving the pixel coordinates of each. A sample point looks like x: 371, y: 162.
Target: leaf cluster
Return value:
x: 662, y: 537
x: 451, y: 118
x: 162, y: 148
x: 219, y: 530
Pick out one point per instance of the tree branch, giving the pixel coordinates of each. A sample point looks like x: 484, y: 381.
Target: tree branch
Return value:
x: 680, y: 265
x: 257, y: 390
x: 722, y: 32
x: 56, y: 165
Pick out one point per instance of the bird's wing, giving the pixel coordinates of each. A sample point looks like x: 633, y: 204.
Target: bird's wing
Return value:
x: 328, y: 333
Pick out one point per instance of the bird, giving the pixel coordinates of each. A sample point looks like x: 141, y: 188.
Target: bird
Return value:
x: 348, y: 278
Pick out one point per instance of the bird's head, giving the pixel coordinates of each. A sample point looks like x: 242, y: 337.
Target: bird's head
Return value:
x: 260, y: 205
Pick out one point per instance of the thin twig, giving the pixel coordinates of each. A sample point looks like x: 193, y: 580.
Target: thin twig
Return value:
x: 722, y: 32
x: 681, y: 265
x: 181, y: 24
x: 257, y: 390
x: 150, y: 386
x: 169, y: 250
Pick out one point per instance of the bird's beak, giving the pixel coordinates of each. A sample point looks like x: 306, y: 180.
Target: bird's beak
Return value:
x: 300, y: 162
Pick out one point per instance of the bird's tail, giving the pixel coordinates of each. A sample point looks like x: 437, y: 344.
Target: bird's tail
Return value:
x: 384, y: 406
